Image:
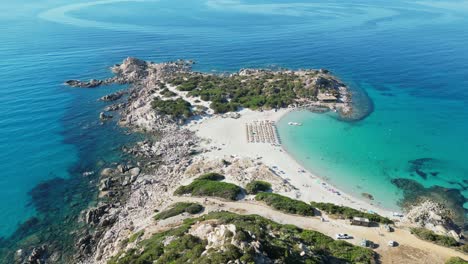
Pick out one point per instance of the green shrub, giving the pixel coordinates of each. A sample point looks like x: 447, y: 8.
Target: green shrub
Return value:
x: 210, y: 188
x: 179, y: 208
x: 456, y: 260
x: 285, y: 204
x: 242, y: 236
x: 188, y: 86
x: 223, y: 107
x: 255, y: 187
x: 168, y: 93
x: 194, y: 208
x: 349, y: 213
x: 344, y: 250
x: 429, y: 235
x: 182, y: 250
x: 464, y: 248
x: 178, y: 108
x: 212, y: 176
x: 135, y: 236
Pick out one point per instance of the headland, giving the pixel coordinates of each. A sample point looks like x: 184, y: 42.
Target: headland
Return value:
x: 222, y: 127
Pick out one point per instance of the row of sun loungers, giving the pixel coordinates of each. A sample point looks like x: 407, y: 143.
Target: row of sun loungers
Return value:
x: 262, y: 132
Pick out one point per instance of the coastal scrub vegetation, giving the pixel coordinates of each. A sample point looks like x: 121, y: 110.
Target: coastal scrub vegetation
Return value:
x: 279, y: 243
x: 349, y: 213
x: 167, y: 93
x: 178, y: 108
x: 135, y: 236
x: 255, y: 187
x: 429, y: 235
x: 206, y: 186
x: 456, y: 260
x: 212, y: 176
x: 263, y: 90
x: 464, y: 248
x: 179, y: 208
x: 285, y: 204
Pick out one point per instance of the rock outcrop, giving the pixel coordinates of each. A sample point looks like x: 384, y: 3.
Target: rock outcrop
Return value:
x: 113, y: 96
x: 84, y: 84
x: 93, y: 215
x: 431, y: 215
x: 104, y: 117
x: 114, y: 107
x: 37, y: 255
x: 216, y: 235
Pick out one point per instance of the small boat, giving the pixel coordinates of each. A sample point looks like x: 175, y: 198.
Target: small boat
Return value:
x: 294, y: 124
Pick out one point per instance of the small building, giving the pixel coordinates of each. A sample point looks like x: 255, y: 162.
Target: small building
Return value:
x: 360, y: 221
x: 326, y: 98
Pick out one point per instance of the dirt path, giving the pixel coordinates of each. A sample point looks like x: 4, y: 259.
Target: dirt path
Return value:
x: 410, y: 249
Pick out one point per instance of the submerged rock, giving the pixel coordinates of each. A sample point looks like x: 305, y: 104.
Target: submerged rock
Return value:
x: 114, y: 107
x: 107, y: 172
x: 420, y: 167
x: 83, y: 84
x: 368, y: 196
x: 113, y: 96
x: 103, y: 116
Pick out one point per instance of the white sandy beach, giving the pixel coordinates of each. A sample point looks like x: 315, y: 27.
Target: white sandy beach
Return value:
x: 227, y: 136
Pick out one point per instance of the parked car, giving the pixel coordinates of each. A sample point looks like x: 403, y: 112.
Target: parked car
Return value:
x: 343, y: 236
x: 392, y: 243
x: 367, y: 243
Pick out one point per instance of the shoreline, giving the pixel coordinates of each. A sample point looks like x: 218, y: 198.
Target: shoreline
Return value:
x: 309, y: 189
x: 355, y: 196
x: 189, y: 146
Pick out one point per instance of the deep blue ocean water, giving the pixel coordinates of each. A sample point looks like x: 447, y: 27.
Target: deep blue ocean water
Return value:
x: 409, y: 56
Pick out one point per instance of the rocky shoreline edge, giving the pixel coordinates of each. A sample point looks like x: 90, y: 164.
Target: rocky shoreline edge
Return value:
x: 130, y: 193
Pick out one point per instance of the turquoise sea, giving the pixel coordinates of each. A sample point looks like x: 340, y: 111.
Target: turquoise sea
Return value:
x: 410, y: 57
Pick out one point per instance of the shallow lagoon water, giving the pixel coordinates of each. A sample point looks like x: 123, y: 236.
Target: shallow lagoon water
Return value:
x: 365, y: 156
x: 409, y: 56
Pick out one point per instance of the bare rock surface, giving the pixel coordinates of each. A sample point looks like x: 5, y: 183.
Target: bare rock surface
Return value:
x: 433, y: 216
x: 84, y: 84
x: 217, y: 235
x: 104, y: 117
x: 113, y: 96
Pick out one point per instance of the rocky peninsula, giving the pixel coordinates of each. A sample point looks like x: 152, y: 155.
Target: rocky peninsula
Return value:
x: 193, y: 190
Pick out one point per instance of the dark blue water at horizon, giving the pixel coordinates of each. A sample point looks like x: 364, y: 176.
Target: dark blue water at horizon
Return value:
x: 400, y: 52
